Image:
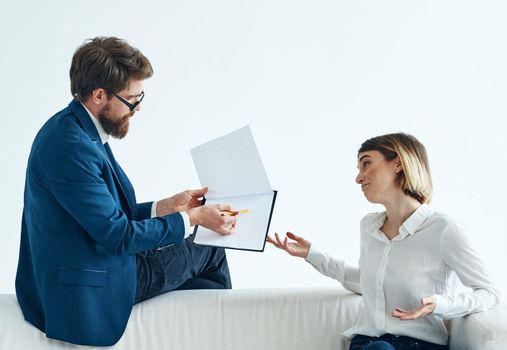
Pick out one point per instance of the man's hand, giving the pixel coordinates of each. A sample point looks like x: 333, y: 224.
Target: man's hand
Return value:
x: 214, y: 217
x: 427, y: 306
x: 181, y: 202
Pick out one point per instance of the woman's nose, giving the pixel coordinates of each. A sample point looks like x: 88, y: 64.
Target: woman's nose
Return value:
x: 359, y: 178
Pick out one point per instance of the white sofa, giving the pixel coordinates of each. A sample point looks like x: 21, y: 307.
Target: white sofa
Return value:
x: 246, y: 319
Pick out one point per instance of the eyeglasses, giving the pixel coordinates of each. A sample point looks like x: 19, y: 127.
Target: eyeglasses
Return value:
x: 130, y: 106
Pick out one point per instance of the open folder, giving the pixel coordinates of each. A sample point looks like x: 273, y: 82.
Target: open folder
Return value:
x: 233, y: 171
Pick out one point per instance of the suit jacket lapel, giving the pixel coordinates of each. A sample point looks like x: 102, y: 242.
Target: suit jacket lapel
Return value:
x: 125, y: 184
x: 90, y: 129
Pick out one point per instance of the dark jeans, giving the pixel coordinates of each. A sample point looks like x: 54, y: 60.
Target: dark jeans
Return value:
x: 179, y: 267
x: 392, y: 342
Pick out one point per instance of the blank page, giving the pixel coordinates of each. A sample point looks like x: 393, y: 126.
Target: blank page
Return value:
x: 231, y: 166
x: 251, y: 228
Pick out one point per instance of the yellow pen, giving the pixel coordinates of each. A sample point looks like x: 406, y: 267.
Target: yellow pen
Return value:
x: 234, y: 213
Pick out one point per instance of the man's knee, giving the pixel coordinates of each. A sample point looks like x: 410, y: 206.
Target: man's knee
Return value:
x: 200, y: 283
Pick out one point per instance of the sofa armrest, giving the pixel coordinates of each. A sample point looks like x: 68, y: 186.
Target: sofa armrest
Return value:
x: 483, y: 330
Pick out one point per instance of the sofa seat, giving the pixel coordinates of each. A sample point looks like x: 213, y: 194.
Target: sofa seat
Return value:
x: 245, y: 319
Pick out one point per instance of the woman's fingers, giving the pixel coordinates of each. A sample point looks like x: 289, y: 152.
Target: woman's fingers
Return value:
x: 287, y: 243
x: 272, y: 241
x: 410, y: 314
x: 278, y: 239
x: 413, y: 314
x: 294, y: 237
x: 397, y: 313
x: 403, y: 315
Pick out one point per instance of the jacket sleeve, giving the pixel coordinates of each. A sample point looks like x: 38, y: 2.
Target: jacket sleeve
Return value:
x: 144, y: 210
x: 76, y: 182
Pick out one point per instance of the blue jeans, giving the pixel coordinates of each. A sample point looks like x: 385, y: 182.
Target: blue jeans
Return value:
x: 392, y: 342
x: 180, y: 267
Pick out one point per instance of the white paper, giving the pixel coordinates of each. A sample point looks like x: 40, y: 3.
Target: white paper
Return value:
x: 251, y: 228
x: 231, y: 166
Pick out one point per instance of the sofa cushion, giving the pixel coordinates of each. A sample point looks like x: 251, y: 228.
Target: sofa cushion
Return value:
x: 247, y: 319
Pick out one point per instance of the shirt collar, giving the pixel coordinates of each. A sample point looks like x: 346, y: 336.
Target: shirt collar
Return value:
x: 409, y: 226
x: 104, y: 137
x: 414, y: 221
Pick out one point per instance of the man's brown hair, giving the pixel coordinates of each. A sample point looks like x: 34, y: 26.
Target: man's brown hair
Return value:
x: 106, y: 62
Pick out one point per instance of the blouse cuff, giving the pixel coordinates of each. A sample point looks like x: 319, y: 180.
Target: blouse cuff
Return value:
x: 441, y: 306
x: 313, y: 254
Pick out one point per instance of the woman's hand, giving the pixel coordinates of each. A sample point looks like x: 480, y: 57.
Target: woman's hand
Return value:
x: 427, y: 306
x: 300, y: 247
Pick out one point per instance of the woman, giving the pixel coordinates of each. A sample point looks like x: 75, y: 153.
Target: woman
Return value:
x: 410, y: 255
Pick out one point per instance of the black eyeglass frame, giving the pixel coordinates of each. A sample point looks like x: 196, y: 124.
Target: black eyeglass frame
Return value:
x: 130, y: 106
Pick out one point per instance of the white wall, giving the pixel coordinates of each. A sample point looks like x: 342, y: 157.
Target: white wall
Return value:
x: 312, y: 78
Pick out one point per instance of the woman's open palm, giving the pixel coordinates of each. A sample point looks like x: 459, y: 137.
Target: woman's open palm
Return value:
x: 298, y: 246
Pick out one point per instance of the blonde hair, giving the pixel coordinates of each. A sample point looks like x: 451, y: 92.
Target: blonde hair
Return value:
x: 415, y: 178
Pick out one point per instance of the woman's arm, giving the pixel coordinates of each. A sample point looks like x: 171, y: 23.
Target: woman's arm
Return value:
x: 459, y: 256
x: 297, y: 246
x: 348, y: 276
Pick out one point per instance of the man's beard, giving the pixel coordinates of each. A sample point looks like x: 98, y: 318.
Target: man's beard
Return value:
x: 117, y: 128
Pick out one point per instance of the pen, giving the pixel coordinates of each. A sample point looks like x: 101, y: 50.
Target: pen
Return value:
x: 233, y: 213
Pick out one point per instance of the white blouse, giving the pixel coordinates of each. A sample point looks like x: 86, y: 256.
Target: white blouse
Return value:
x: 422, y: 260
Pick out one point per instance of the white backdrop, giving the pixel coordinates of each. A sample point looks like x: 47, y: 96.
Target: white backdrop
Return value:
x: 313, y: 79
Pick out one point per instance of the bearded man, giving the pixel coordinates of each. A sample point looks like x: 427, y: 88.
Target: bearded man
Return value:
x: 89, y: 251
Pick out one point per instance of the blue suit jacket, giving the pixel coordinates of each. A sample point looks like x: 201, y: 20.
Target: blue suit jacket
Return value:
x: 81, y: 226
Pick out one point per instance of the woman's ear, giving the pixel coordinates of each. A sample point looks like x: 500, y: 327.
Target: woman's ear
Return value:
x: 398, y: 168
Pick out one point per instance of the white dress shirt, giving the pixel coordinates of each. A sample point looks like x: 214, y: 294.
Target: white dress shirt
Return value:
x: 104, y: 137
x: 424, y: 259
